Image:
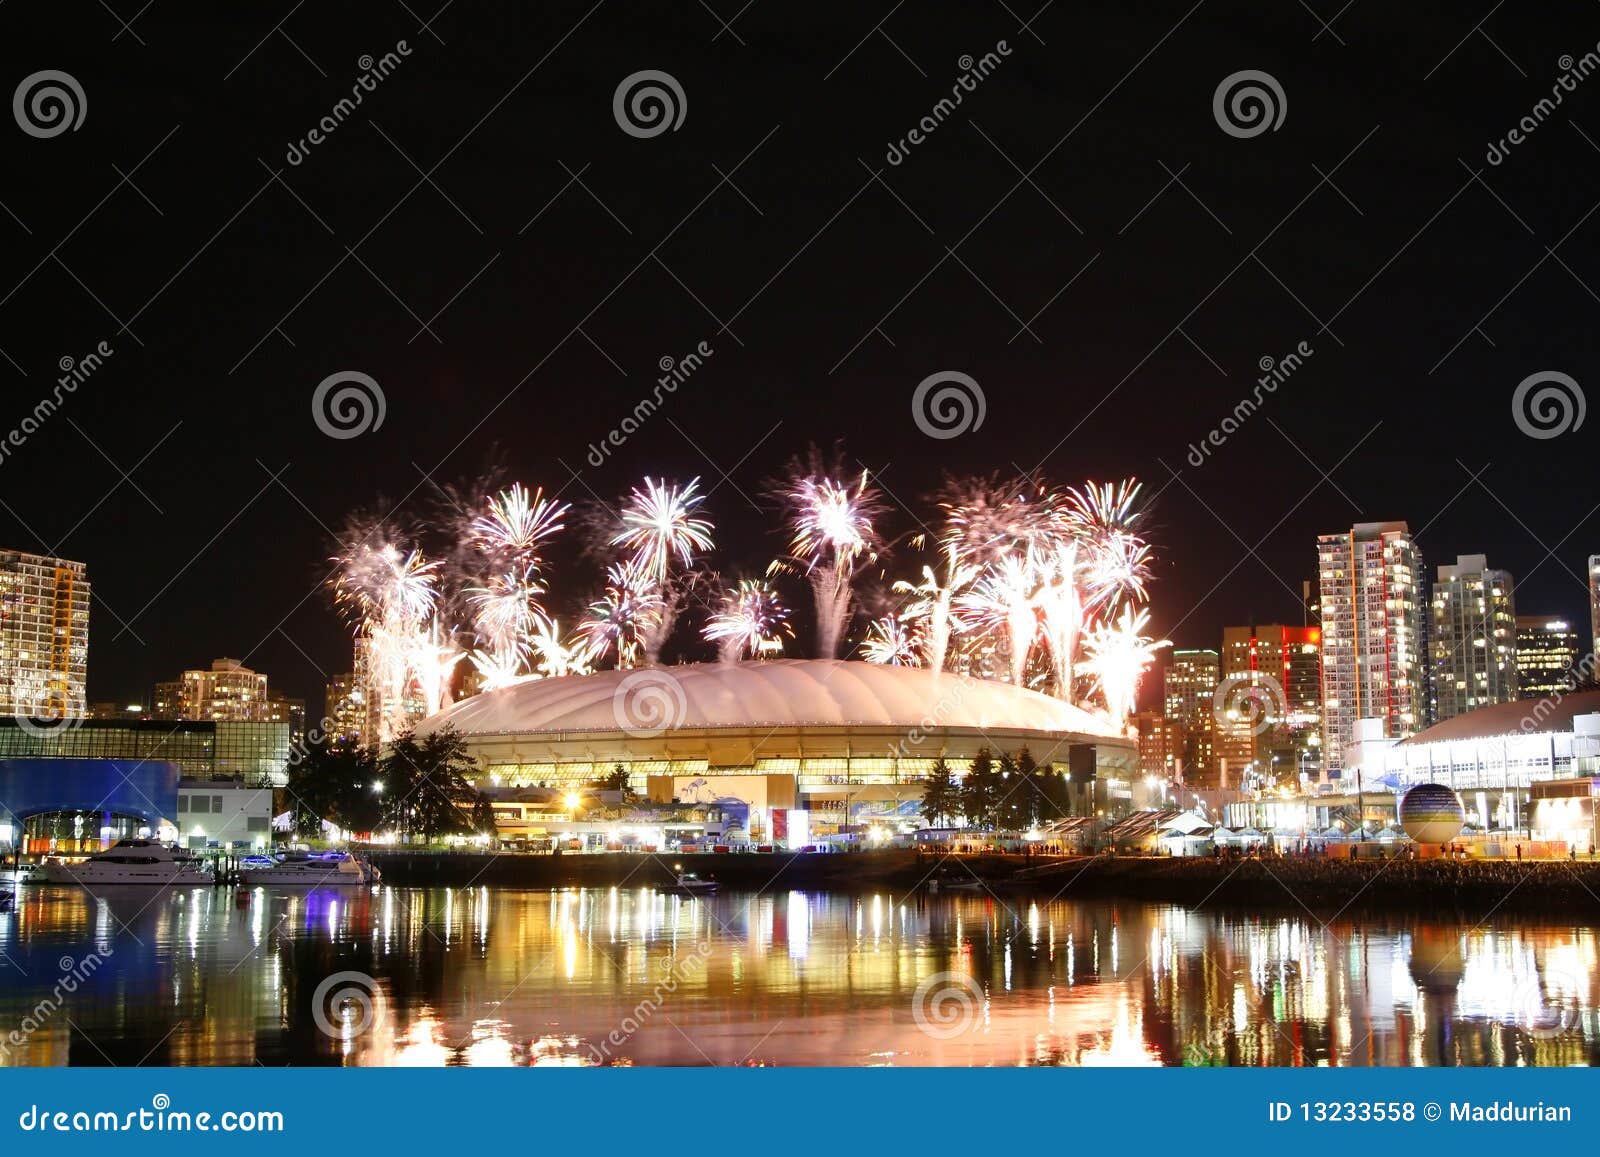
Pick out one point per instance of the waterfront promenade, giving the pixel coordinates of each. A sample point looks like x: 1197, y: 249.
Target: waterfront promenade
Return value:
x: 1324, y: 886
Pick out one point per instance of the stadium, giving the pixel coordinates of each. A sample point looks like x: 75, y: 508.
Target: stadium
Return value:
x: 846, y: 741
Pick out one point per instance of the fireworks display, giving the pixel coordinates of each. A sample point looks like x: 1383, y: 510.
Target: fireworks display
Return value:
x: 749, y: 620
x: 1038, y: 585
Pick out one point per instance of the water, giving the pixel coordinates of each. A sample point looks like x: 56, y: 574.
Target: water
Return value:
x: 478, y: 976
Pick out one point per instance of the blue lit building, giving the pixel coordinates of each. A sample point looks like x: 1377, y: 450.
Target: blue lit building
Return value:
x: 73, y: 805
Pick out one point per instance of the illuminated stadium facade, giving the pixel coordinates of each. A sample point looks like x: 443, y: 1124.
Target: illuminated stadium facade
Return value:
x: 837, y: 737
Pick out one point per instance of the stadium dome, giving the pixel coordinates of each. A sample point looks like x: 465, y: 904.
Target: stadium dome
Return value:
x: 778, y: 693
x: 834, y: 736
x: 1552, y: 714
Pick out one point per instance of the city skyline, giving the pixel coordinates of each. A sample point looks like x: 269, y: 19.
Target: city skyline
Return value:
x: 1116, y: 308
x: 140, y: 691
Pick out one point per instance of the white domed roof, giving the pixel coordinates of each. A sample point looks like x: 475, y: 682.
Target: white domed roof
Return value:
x: 777, y: 693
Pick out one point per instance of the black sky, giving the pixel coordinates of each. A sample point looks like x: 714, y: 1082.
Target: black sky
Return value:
x: 229, y: 282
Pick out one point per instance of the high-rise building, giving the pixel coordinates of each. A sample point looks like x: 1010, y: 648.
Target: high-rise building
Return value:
x: 1373, y: 667
x: 344, y: 710
x: 228, y: 690
x: 1160, y: 745
x: 1594, y: 604
x: 44, y: 636
x: 1275, y: 677
x: 282, y: 709
x: 1188, y: 684
x: 1547, y: 651
x: 1472, y: 657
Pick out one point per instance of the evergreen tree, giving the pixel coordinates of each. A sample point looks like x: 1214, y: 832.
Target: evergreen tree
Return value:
x: 1012, y: 807
x: 427, y: 786
x: 940, y: 795
x: 980, y: 791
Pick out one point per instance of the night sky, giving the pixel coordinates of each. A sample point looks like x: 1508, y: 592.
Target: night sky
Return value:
x: 1080, y: 236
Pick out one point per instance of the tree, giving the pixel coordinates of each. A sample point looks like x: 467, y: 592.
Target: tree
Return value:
x: 617, y: 781
x: 980, y: 791
x: 335, y: 782
x: 940, y: 795
x: 1014, y: 807
x: 427, y: 789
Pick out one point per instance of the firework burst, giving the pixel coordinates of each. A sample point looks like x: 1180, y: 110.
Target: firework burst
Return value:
x: 1119, y: 653
x: 622, y: 619
x: 831, y: 535
x: 749, y: 620
x: 892, y: 642
x: 516, y: 522
x: 659, y: 524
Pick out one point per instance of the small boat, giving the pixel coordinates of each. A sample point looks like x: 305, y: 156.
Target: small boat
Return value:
x: 308, y: 869
x: 127, y: 862
x: 689, y: 884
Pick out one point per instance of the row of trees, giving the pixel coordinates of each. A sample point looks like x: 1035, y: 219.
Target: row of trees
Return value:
x: 418, y: 788
x: 1012, y: 793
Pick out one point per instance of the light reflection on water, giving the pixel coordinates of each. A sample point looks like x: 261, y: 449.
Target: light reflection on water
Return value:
x: 480, y: 976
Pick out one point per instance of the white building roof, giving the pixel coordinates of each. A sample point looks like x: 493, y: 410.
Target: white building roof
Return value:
x: 776, y: 693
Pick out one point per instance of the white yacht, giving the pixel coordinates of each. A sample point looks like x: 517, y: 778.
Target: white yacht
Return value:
x: 126, y: 862
x: 309, y: 869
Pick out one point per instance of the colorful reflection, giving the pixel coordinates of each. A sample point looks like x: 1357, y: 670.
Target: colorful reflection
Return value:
x: 477, y: 976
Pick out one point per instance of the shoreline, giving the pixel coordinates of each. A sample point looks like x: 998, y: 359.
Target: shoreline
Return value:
x: 1308, y: 886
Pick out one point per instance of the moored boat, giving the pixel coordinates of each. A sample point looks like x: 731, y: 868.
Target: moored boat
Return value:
x: 126, y: 862
x: 308, y: 869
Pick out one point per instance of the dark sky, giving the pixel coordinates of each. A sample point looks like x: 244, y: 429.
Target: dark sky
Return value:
x: 1084, y: 188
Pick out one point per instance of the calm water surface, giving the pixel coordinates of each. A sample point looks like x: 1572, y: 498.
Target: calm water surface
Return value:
x: 480, y: 976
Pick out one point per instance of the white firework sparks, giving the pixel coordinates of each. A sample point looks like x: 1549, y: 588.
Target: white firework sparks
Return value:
x: 516, y: 522
x: 932, y: 605
x: 1119, y: 653
x: 622, y: 619
x: 832, y: 533
x: 890, y: 641
x: 1002, y: 601
x: 659, y: 524
x: 750, y: 620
